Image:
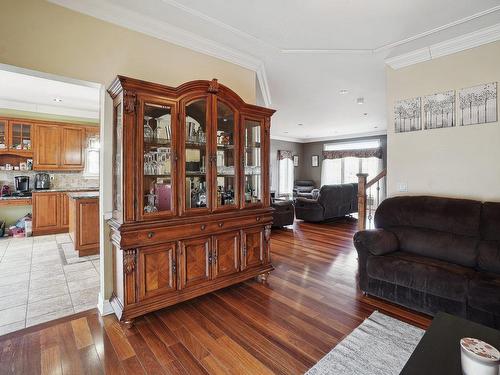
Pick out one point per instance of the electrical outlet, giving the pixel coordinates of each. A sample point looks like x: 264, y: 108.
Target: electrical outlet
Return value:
x: 402, y: 187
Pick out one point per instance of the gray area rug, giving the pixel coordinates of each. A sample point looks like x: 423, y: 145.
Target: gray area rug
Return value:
x: 381, y: 345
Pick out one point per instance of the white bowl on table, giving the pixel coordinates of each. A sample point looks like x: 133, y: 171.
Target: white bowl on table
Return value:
x: 479, y: 357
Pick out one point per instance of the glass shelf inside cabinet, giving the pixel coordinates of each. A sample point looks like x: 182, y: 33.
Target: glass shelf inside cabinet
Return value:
x: 226, y: 157
x: 157, y: 163
x: 195, y: 145
x: 253, y: 172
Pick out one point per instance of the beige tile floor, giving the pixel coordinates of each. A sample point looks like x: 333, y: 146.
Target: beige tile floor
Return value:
x: 42, y: 278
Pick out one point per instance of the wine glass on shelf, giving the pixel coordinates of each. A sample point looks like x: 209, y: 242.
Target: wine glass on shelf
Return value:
x: 148, y: 130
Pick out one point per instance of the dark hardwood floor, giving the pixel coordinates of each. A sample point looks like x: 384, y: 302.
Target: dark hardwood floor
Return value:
x: 309, y: 303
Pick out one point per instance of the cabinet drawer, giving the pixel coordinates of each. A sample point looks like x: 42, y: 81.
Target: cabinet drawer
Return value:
x: 165, y: 234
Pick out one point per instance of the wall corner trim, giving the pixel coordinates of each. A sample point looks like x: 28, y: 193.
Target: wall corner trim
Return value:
x: 104, y: 306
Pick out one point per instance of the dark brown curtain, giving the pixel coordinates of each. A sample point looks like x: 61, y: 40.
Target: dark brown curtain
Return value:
x: 284, y: 154
x: 362, y: 153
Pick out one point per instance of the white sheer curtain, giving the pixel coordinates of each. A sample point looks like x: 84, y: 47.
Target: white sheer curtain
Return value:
x: 344, y: 170
x: 331, y: 172
x: 285, y: 177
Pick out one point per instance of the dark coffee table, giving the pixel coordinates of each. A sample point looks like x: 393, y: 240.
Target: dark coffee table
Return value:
x: 439, y: 350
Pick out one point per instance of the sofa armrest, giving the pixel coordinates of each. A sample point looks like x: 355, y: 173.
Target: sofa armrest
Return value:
x: 376, y: 241
x: 302, y: 202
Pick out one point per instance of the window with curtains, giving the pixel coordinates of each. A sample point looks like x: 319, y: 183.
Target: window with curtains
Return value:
x: 344, y: 160
x: 285, y: 173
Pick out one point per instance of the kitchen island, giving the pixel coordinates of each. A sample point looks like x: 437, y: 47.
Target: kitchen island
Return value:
x: 84, y: 221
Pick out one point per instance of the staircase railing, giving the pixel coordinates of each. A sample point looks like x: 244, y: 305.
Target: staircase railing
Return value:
x: 370, y: 194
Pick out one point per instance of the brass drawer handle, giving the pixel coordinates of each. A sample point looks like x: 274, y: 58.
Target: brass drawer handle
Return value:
x: 221, y: 225
x: 151, y: 234
x: 257, y: 218
x: 203, y: 226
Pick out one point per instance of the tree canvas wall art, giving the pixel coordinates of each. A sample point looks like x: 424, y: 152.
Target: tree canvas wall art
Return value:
x: 439, y: 110
x: 478, y: 104
x: 407, y: 115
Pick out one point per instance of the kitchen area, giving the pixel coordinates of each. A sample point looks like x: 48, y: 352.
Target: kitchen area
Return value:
x: 40, y: 184
x: 49, y: 200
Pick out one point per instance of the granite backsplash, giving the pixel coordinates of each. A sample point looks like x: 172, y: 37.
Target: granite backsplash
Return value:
x: 60, y: 180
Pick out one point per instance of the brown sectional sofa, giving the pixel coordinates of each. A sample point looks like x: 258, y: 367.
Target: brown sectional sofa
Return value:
x: 434, y: 254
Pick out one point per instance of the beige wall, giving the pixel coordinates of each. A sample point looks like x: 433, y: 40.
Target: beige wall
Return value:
x: 44, y: 37
x: 456, y: 162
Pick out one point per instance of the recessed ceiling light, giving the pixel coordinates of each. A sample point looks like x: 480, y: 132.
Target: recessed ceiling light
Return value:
x: 360, y: 100
x: 57, y: 100
x: 343, y: 92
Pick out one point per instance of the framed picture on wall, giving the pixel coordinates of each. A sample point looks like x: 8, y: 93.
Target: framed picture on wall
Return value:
x: 315, y: 161
x: 407, y: 116
x: 295, y: 160
x: 478, y: 104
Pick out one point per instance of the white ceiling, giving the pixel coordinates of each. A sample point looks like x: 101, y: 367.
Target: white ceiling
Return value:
x: 310, y: 49
x: 35, y: 94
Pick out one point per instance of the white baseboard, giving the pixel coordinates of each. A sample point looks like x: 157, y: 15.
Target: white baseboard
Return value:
x: 104, y: 306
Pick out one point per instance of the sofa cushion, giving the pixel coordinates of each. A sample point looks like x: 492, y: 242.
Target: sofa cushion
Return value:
x: 489, y: 256
x: 420, y: 273
x: 445, y: 246
x: 376, y: 241
x: 490, y: 221
x: 459, y: 216
x: 484, y: 292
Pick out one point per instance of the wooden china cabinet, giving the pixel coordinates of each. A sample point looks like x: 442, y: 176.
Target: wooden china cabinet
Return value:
x: 191, y: 210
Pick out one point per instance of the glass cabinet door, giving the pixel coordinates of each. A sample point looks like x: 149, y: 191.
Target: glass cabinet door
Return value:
x: 3, y: 135
x: 226, y: 136
x: 20, y: 136
x: 157, y: 184
x: 196, y: 189
x: 252, y: 145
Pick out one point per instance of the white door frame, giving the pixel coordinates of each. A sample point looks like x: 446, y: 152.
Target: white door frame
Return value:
x: 105, y: 190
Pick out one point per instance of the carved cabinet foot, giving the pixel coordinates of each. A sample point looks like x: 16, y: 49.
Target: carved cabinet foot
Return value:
x: 263, y: 277
x: 128, y: 323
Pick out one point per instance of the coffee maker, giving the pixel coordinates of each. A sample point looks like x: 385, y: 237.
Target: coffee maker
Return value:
x: 42, y: 181
x: 22, y: 184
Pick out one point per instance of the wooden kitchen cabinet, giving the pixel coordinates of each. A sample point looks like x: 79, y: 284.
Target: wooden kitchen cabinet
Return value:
x: 64, y: 210
x: 59, y: 147
x: 46, y: 213
x: 47, y: 148
x: 72, y: 147
x: 83, y: 218
x: 16, y: 140
x: 51, y: 212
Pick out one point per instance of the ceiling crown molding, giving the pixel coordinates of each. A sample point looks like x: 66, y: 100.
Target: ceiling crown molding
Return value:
x: 327, y: 51
x: 330, y: 137
x: 448, y: 47
x: 218, y: 23
x: 438, y: 29
x: 170, y: 33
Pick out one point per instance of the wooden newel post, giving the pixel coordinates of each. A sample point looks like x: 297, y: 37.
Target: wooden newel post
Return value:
x: 362, y: 200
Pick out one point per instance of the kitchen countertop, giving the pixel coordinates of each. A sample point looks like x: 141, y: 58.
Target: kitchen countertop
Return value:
x: 56, y: 190
x: 13, y: 198
x: 83, y: 195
